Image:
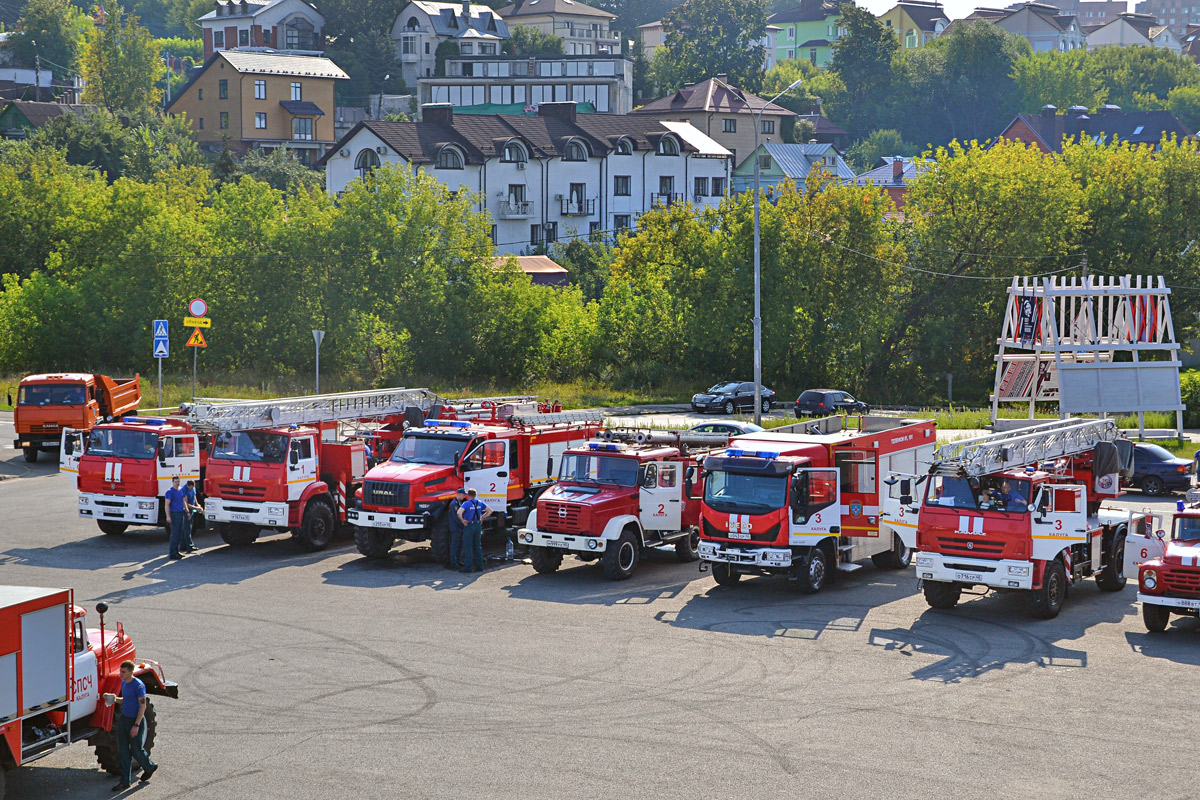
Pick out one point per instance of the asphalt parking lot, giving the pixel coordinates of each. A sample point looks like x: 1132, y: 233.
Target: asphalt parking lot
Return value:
x: 330, y: 676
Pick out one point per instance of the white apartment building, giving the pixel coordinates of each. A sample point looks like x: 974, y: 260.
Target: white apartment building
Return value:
x: 547, y: 176
x: 279, y: 24
x: 584, y: 30
x: 422, y: 25
x: 515, y: 84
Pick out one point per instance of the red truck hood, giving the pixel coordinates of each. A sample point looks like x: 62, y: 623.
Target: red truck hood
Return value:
x: 758, y: 529
x: 1182, y: 554
x: 139, y: 477
x: 973, y: 533
x: 586, y: 495
x: 267, y: 482
x: 400, y: 472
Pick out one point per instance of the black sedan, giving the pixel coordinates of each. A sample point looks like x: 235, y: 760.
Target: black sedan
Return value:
x: 1156, y: 471
x: 822, y: 402
x: 731, y: 396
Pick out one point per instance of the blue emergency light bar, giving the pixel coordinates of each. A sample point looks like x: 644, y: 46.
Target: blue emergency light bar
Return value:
x: 446, y: 423
x: 612, y: 448
x: 751, y: 454
x: 144, y: 420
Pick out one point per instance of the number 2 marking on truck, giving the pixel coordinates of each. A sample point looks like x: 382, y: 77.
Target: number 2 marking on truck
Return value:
x: 493, y: 488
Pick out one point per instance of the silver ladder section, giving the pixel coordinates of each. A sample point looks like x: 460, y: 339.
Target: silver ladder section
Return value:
x: 250, y: 414
x: 1013, y: 449
x: 558, y: 418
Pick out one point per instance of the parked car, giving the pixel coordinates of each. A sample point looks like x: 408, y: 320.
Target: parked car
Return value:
x: 731, y: 396
x: 731, y: 428
x: 821, y: 402
x: 1156, y: 471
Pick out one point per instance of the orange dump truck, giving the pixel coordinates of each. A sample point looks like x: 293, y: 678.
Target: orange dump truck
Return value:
x: 48, y: 404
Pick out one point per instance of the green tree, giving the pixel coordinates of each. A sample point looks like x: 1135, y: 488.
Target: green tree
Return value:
x: 862, y: 60
x: 182, y: 16
x: 141, y: 149
x: 1184, y: 103
x: 280, y: 170
x: 445, y: 49
x: 710, y: 37
x: 588, y: 262
x: 527, y: 41
x: 865, y: 153
x: 1059, y: 79
x: 51, y: 29
x: 1128, y: 72
x: 370, y: 61
x: 121, y: 65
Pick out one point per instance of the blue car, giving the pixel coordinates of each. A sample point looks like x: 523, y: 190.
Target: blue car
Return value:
x: 1156, y: 471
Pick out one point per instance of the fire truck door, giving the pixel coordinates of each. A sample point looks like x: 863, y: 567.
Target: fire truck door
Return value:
x: 661, y: 496
x: 71, y: 450
x: 178, y: 457
x: 302, y: 466
x: 814, y: 500
x: 1058, y: 520
x: 485, y: 469
x: 1142, y: 542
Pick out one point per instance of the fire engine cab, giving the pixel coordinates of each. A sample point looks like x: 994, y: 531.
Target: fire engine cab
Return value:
x: 1169, y: 575
x: 806, y: 500
x: 615, y: 498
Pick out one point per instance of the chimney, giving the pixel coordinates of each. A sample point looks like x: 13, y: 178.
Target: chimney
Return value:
x: 439, y: 113
x: 1048, y: 111
x: 467, y: 12
x: 1082, y: 123
x: 220, y: 7
x: 897, y: 169
x: 564, y: 111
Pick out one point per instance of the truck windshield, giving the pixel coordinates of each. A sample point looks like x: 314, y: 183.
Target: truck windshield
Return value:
x: 735, y: 493
x: 439, y: 450
x: 1187, y: 529
x: 51, y: 394
x: 122, y: 443
x: 268, y: 448
x: 590, y: 468
x: 989, y: 493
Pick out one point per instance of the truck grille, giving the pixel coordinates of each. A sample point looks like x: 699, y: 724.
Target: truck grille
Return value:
x: 385, y: 494
x: 246, y: 490
x: 713, y: 532
x: 55, y: 429
x: 1183, y: 582
x: 560, y: 518
x: 977, y: 547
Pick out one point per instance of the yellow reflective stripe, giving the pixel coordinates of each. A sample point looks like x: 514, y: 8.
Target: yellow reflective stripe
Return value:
x: 64, y: 469
x: 860, y: 528
x: 1064, y: 538
x: 902, y: 524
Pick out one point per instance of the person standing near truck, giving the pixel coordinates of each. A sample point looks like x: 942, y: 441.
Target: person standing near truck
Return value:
x: 191, y: 507
x: 473, y: 513
x: 131, y: 733
x: 456, y: 529
x: 177, y: 513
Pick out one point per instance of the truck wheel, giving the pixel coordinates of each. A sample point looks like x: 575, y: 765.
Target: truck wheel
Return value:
x: 1156, y: 617
x: 30, y: 453
x: 316, y: 529
x: 545, y: 560
x: 724, y: 574
x: 439, y: 538
x: 1112, y: 577
x: 621, y: 557
x: 729, y: 408
x: 812, y: 572
x: 373, y: 542
x: 112, y: 527
x: 105, y: 742
x: 939, y: 594
x: 688, y: 548
x: 236, y: 534
x: 1046, y: 602
x: 1152, y: 486
x: 899, y: 557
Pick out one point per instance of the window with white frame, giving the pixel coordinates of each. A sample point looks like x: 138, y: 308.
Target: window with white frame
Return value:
x: 260, y: 90
x: 260, y: 119
x: 408, y: 45
x: 449, y: 158
x: 302, y: 129
x: 729, y: 125
x: 768, y: 126
x: 297, y: 91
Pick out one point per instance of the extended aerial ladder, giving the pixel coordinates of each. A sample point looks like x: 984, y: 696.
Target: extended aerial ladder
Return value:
x: 1018, y: 448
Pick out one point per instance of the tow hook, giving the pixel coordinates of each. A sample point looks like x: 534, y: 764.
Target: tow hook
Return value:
x: 704, y: 566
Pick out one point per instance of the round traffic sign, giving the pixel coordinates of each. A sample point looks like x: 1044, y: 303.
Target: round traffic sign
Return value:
x: 198, y: 308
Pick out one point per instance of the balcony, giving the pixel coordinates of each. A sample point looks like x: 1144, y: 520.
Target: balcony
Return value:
x: 672, y: 199
x: 576, y: 207
x: 514, y: 209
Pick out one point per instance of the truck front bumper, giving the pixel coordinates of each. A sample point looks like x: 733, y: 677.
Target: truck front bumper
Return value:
x: 1173, y: 602
x: 760, y: 557
x: 42, y: 441
x: 997, y: 574
x: 576, y: 542
x: 382, y: 519
x: 263, y: 515
x: 134, y: 510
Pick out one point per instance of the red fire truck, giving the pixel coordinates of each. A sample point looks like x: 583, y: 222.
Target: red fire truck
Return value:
x: 124, y: 468
x: 53, y: 674
x: 1020, y: 510
x: 1169, y: 573
x: 614, y: 498
x: 48, y: 404
x: 509, y: 461
x: 806, y: 500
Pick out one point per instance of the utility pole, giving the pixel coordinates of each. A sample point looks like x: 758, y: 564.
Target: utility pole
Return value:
x: 37, y: 75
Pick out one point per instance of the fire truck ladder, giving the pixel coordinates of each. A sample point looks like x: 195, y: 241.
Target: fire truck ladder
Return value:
x: 671, y: 438
x: 557, y: 418
x: 250, y: 414
x: 1021, y: 447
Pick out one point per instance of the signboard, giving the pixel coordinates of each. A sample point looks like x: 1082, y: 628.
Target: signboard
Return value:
x: 1029, y: 312
x: 162, y: 343
x: 1023, y: 375
x: 197, y: 339
x: 198, y: 308
x: 197, y: 322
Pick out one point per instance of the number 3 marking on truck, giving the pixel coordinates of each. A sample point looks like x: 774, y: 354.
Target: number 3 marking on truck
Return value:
x: 816, y: 518
x: 1058, y: 524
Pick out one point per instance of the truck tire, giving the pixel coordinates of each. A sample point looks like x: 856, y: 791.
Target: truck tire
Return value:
x: 1046, y: 602
x: 899, y: 557
x: 1156, y: 617
x: 724, y: 574
x: 111, y: 527
x: 237, y: 534
x: 373, y: 542
x: 439, y: 538
x: 545, y: 560
x: 940, y: 594
x: 688, y: 548
x: 812, y: 573
x: 105, y: 742
x: 621, y: 557
x: 317, y: 527
x: 30, y: 453
x: 1112, y: 577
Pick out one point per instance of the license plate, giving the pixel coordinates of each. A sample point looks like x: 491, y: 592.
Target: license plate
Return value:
x: 1189, y: 603
x: 967, y: 576
x: 552, y: 543
x: 241, y: 517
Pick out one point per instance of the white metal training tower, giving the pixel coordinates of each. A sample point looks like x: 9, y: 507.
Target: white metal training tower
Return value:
x: 1014, y: 449
x: 1096, y: 344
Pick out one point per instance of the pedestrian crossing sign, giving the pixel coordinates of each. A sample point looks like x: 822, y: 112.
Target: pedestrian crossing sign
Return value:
x: 160, y: 329
x: 197, y: 339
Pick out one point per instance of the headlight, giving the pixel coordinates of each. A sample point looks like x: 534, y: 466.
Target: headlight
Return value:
x: 146, y: 504
x: 924, y: 561
x: 1149, y: 579
x: 83, y: 501
x: 1018, y: 570
x: 277, y: 511
x: 593, y: 544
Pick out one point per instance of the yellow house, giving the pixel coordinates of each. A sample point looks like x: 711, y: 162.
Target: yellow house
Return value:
x: 262, y: 99
x: 916, y: 23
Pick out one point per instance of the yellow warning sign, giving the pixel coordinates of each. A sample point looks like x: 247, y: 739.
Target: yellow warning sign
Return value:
x: 197, y: 322
x: 197, y: 339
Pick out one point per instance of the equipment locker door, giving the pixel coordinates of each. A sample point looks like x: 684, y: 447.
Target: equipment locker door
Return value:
x: 485, y: 469
x: 1058, y: 520
x: 661, y: 496
x: 814, y: 502
x: 71, y: 450
x: 178, y: 457
x: 302, y: 465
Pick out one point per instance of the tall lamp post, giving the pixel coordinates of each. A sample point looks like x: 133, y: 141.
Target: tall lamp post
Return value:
x: 758, y: 263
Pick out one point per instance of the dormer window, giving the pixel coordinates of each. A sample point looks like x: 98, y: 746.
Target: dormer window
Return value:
x: 514, y: 153
x: 667, y: 146
x: 449, y: 158
x: 576, y: 152
x: 412, y: 24
x: 366, y: 161
x: 624, y: 148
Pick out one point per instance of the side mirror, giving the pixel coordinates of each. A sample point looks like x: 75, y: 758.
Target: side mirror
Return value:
x: 687, y: 485
x: 549, y: 465
x: 641, y: 475
x: 1161, y: 534
x: 1043, y: 504
x: 162, y: 452
x: 294, y: 457
x: 906, y: 489
x: 906, y: 499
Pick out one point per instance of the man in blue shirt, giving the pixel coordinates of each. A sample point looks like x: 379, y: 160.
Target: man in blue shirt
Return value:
x: 473, y: 513
x: 456, y: 529
x: 177, y: 512
x: 190, y: 507
x: 131, y: 733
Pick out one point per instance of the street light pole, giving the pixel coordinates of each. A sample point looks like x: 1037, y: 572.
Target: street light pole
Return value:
x: 758, y: 262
